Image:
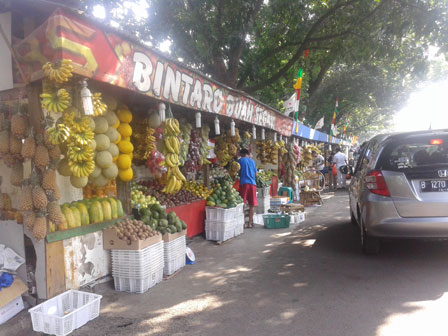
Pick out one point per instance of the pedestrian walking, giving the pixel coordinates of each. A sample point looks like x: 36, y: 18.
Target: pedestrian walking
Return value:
x: 248, y: 186
x: 340, y: 159
x: 331, y: 176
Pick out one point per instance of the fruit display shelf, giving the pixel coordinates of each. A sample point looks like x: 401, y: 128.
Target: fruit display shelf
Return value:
x: 81, y: 230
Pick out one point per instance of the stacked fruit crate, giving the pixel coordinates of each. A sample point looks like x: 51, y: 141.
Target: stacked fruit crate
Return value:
x: 223, y: 224
x: 137, y: 271
x: 174, y: 255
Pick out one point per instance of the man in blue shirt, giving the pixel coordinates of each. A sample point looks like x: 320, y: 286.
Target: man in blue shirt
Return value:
x: 248, y: 186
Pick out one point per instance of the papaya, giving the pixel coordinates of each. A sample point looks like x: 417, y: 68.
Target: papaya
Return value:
x: 120, y: 211
x: 85, y: 220
x: 113, y: 207
x: 96, y: 212
x: 107, y: 211
x: 76, y: 216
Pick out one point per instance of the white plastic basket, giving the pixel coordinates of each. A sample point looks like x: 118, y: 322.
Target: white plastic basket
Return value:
x: 174, y: 264
x: 66, y: 312
x: 219, y: 235
x: 138, y: 285
x: 220, y: 226
x: 137, y: 256
x: 219, y: 214
x: 239, y: 209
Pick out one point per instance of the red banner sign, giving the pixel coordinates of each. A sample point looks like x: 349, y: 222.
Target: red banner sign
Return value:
x: 109, y: 58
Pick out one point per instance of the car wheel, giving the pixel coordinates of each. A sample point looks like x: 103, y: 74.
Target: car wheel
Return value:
x: 369, y: 245
x: 352, y: 218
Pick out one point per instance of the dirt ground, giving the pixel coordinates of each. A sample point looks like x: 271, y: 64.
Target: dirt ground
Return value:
x: 310, y: 279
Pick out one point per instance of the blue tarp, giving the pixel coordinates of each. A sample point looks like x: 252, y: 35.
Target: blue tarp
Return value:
x: 312, y: 134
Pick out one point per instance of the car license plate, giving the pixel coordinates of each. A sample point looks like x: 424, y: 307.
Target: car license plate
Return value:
x: 434, y: 185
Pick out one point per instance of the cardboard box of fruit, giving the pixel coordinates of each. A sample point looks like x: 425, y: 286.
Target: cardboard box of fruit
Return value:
x: 167, y: 237
x: 130, y: 234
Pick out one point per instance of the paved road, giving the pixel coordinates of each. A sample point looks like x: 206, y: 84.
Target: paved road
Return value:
x: 311, y: 281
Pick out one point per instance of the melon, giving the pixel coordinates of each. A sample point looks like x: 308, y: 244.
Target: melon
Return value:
x: 64, y: 168
x: 79, y: 182
x: 113, y: 149
x: 104, y: 159
x: 126, y: 175
x: 125, y: 147
x: 91, y: 123
x: 124, y: 115
x: 111, y: 172
x: 112, y: 134
x: 100, y: 180
x: 111, y: 118
x: 96, y: 172
x: 101, y: 125
x: 125, y: 130
x: 124, y: 161
x: 102, y: 142
x: 93, y: 144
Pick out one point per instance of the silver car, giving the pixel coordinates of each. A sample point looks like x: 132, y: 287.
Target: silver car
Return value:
x: 399, y: 188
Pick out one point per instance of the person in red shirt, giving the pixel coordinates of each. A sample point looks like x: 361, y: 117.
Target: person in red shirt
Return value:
x: 248, y: 186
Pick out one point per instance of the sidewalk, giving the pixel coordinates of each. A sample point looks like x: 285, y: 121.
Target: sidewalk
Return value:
x: 234, y: 288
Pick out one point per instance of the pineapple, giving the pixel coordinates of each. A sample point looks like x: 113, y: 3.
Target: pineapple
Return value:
x: 40, y: 226
x: 49, y: 179
x: 15, y: 146
x: 4, y: 142
x: 19, y: 125
x: 40, y: 200
x: 17, y: 174
x: 54, y: 152
x: 28, y: 148
x: 41, y: 157
x: 54, y: 213
x: 26, y: 202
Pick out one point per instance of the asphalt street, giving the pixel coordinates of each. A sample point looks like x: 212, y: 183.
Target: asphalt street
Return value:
x: 310, y: 279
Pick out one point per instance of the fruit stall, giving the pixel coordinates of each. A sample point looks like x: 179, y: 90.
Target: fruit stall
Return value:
x: 105, y: 142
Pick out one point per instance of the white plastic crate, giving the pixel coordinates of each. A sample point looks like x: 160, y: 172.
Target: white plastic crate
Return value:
x: 174, y: 255
x: 174, y: 264
x: 137, y: 272
x: 219, y: 214
x: 66, y: 312
x: 138, y: 285
x: 239, y: 209
x: 220, y: 226
x: 219, y: 235
x: 239, y: 226
x: 137, y: 257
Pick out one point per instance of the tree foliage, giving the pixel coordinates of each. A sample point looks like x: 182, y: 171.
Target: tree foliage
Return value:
x: 367, y: 53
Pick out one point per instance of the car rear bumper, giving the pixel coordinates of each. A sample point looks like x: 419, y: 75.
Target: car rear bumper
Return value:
x: 382, y: 220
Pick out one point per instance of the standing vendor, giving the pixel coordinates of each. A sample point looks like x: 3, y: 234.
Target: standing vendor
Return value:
x: 248, y: 186
x: 318, y: 162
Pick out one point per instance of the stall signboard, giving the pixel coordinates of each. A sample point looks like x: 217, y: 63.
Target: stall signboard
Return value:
x: 107, y: 57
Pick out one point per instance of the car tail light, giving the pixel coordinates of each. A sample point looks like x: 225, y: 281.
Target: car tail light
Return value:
x: 376, y: 183
x: 436, y: 141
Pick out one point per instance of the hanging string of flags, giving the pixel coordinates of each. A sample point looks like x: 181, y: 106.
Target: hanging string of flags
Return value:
x: 292, y: 106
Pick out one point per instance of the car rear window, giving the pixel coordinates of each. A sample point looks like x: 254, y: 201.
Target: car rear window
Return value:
x: 415, y: 151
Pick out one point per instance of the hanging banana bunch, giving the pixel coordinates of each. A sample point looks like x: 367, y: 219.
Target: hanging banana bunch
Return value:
x: 61, y: 74
x: 174, y: 177
x: 56, y: 101
x: 99, y: 108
